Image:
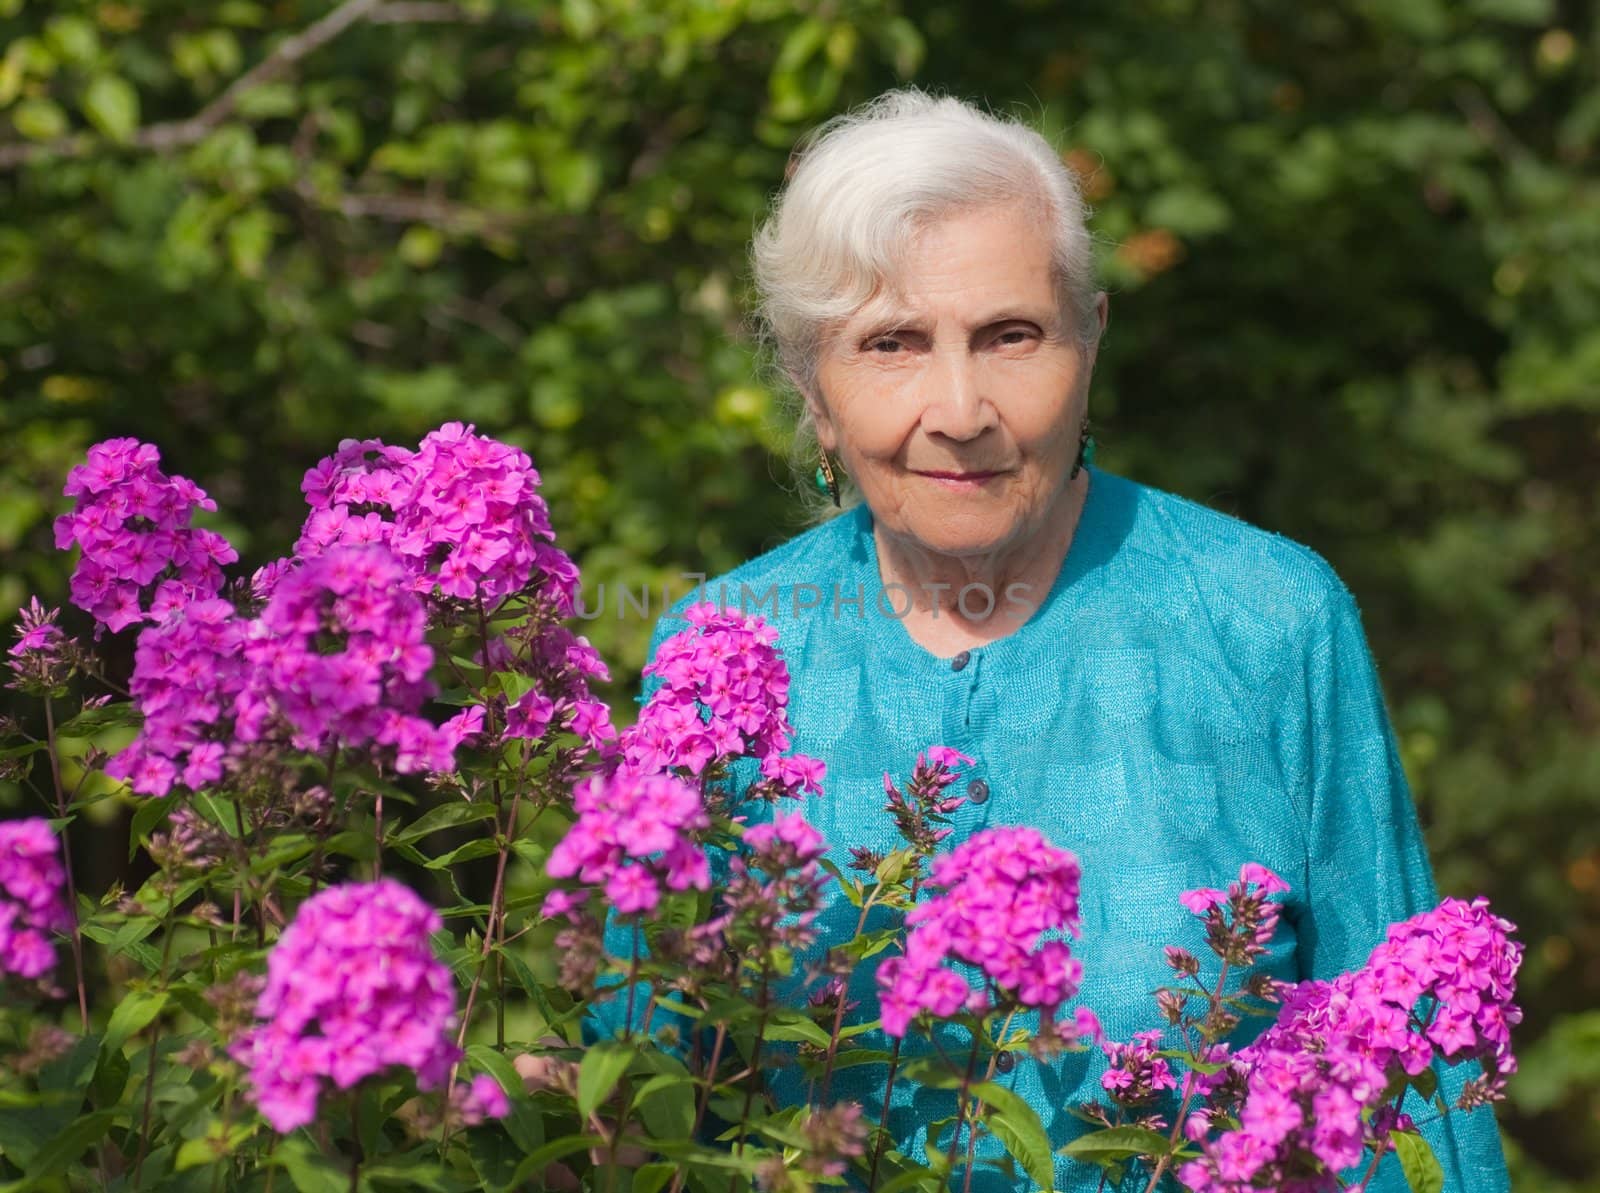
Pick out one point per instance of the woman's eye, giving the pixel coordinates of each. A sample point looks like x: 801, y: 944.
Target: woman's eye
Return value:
x: 885, y: 345
x: 1015, y: 335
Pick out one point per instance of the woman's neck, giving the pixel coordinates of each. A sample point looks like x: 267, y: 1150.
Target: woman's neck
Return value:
x: 960, y: 602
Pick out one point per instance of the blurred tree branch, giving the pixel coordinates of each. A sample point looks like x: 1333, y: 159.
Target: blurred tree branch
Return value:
x: 176, y: 134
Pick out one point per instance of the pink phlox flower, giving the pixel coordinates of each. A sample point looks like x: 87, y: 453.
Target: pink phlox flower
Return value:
x: 723, y: 695
x: 995, y: 897
x: 189, y: 674
x: 352, y: 989
x: 632, y: 834
x: 463, y: 512
x: 33, y: 901
x: 946, y: 756
x: 341, y: 656
x: 140, y: 557
x: 1312, y: 1080
x: 1202, y: 900
x: 481, y: 1099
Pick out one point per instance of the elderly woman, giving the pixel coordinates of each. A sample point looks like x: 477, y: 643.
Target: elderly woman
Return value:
x: 1162, y: 689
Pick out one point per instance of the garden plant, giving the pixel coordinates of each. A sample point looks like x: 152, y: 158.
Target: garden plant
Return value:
x: 418, y: 915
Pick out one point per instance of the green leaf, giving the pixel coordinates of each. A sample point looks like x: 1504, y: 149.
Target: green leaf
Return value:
x: 249, y: 239
x: 573, y: 179
x: 482, y: 847
x: 310, y: 1171
x: 444, y: 816
x: 652, y: 1178
x: 110, y: 1079
x: 794, y: 1027
x: 1188, y: 211
x: 117, y: 715
x: 602, y: 1067
x: 39, y: 119
x: 915, y: 1179
x: 66, y: 1147
x: 1117, y: 1143
x: 133, y: 1014
x: 112, y: 106
x: 666, y: 1105
x: 1421, y: 1167
x: 1016, y: 1124
x: 151, y: 811
x: 218, y: 1142
x: 267, y: 100
x: 534, y: 1163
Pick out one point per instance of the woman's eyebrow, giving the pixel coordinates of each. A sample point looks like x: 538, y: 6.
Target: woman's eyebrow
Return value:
x: 889, y: 324
x: 1011, y: 315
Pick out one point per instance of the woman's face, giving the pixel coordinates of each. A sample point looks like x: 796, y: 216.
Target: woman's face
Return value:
x: 955, y: 402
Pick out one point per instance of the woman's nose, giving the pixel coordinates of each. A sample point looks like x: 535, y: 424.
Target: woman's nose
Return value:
x: 956, y: 405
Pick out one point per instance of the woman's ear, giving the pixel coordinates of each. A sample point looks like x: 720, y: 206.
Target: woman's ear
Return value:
x: 827, y: 434
x: 1102, y: 314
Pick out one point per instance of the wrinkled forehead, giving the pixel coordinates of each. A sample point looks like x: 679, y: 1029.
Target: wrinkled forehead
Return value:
x: 891, y: 290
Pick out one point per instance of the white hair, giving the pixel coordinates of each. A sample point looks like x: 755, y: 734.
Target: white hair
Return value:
x: 863, y: 184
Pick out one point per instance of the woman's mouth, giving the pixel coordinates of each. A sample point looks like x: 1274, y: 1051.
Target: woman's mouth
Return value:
x: 959, y: 481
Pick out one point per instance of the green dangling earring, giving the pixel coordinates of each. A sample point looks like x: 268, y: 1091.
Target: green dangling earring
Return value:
x: 826, y: 482
x: 1085, y: 450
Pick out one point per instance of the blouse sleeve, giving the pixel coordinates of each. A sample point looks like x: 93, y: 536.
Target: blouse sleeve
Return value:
x: 1366, y: 862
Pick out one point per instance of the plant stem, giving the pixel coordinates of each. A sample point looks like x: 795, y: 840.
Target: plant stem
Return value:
x: 377, y: 812
x: 961, y: 1103
x: 505, y: 846
x: 1377, y: 1154
x: 633, y: 982
x: 972, y: 1131
x: 888, y: 1085
x: 705, y: 1100
x: 155, y: 1042
x: 755, y: 1073
x: 355, y: 1138
x: 838, y: 1012
x: 322, y: 826
x: 66, y: 860
x: 496, y: 923
x: 1188, y: 1090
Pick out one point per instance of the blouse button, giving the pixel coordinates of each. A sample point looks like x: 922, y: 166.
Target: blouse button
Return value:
x: 978, y: 791
x: 961, y: 660
x: 1005, y: 1062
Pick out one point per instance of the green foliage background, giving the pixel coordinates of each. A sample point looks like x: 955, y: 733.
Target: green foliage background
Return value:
x: 1353, y: 249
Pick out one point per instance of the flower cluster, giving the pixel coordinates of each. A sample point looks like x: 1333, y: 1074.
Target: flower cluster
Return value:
x: 349, y: 493
x: 337, y: 658
x: 1137, y: 1072
x: 466, y: 515
x: 919, y: 813
x: 41, y: 659
x: 1303, y: 1092
x: 633, y: 836
x: 829, y: 1137
x: 725, y: 664
x: 774, y: 888
x: 561, y: 665
x: 1239, y: 921
x: 1001, y: 891
x: 188, y: 673
x: 352, y: 989
x: 32, y: 903
x: 141, y: 558
x: 478, y: 1100
x: 472, y: 521
x: 340, y: 654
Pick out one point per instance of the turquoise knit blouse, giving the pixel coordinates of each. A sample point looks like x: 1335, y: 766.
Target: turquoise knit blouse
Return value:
x: 1192, y: 694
